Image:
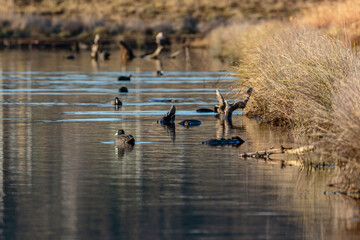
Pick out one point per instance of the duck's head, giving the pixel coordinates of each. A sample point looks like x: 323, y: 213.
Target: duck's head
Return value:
x: 119, y: 132
x: 117, y: 101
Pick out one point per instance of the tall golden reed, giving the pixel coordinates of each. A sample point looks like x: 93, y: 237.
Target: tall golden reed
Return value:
x: 294, y: 73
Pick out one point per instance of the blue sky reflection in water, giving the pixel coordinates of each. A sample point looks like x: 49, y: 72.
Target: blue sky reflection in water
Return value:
x: 63, y: 178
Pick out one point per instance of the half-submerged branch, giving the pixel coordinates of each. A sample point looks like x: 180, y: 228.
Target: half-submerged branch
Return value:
x: 236, y: 141
x: 226, y: 109
x: 282, y: 150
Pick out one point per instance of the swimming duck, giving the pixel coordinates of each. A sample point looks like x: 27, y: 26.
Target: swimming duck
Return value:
x: 123, y: 139
x: 123, y: 89
x: 207, y: 110
x: 124, y: 78
x: 116, y: 102
x: 70, y: 57
x: 190, y: 122
x: 158, y: 73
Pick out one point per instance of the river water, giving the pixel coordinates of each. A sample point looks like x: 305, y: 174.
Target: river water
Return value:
x: 62, y: 177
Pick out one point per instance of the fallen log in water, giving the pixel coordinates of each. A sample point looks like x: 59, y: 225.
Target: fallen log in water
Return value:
x: 231, y: 141
x: 282, y: 150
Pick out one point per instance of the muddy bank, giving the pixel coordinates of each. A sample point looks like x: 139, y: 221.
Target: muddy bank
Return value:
x: 135, y: 42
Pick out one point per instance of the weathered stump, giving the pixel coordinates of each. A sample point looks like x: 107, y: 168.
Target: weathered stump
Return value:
x: 126, y: 52
x: 225, y: 109
x: 169, y: 117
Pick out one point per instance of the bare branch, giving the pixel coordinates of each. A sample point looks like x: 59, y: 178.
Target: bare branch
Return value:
x: 221, y: 100
x: 226, y: 109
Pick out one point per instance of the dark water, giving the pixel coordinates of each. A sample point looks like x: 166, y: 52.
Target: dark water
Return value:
x: 62, y: 177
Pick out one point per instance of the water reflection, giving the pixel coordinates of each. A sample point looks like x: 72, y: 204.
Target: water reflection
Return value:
x: 226, y: 128
x: 62, y: 175
x: 170, y: 130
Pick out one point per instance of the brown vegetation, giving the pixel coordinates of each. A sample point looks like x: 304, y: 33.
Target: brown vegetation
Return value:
x: 307, y: 78
x: 293, y: 75
x: 81, y: 18
x: 338, y: 18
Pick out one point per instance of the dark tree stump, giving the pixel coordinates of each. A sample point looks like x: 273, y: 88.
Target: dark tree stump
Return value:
x: 226, y: 109
x: 169, y: 117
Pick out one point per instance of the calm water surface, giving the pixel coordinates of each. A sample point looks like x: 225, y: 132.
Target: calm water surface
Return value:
x: 62, y: 177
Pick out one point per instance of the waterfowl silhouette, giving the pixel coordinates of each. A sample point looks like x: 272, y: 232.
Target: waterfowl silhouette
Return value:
x: 124, y: 78
x: 123, y: 89
x: 158, y: 73
x: 206, y: 110
x: 70, y: 57
x: 123, y: 139
x: 116, y: 102
x: 190, y: 122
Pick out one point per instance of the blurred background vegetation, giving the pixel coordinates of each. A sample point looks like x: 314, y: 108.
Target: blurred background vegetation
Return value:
x: 84, y: 18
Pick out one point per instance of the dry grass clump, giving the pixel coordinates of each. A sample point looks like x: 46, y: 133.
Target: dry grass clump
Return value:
x: 339, y: 18
x: 293, y: 75
x: 308, y: 80
x: 344, y: 136
x: 342, y: 140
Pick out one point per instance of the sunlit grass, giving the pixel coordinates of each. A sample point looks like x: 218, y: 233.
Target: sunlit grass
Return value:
x: 236, y: 40
x: 293, y: 74
x: 338, y: 18
x: 309, y: 81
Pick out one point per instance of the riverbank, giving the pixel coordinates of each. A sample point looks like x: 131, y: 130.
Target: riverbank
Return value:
x: 306, y: 78
x: 83, y: 19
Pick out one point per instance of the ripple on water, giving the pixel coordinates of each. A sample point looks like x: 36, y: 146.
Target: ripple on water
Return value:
x: 87, y: 120
x: 141, y: 113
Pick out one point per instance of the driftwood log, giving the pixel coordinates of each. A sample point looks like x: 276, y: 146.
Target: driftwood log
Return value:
x: 225, y: 109
x: 265, y: 154
x: 169, y: 117
x: 155, y: 54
